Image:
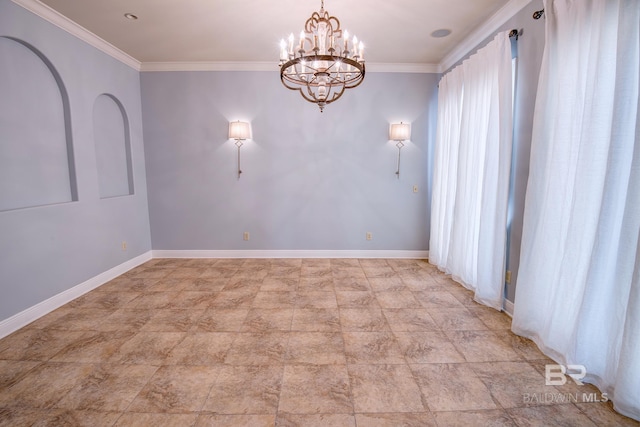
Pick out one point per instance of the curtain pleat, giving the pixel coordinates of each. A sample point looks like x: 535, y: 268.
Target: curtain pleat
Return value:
x: 471, y: 171
x: 577, y: 288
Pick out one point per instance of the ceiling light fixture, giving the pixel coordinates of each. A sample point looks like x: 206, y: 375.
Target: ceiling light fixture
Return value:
x: 130, y: 16
x: 324, y: 62
x: 442, y: 32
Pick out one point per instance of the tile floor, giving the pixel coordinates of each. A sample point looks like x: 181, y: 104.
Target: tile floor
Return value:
x: 287, y: 342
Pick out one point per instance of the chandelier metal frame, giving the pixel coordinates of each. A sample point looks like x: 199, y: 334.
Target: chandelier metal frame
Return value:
x: 324, y: 63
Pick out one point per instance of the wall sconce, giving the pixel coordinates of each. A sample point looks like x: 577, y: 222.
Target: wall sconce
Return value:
x: 239, y: 131
x: 399, y: 132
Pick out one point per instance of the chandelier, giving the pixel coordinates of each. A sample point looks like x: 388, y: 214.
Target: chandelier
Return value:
x: 324, y: 62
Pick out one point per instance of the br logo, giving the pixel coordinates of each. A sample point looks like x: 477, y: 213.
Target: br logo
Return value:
x: 557, y: 374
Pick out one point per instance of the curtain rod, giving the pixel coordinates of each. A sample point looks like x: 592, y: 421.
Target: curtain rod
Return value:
x: 515, y: 33
x: 538, y: 14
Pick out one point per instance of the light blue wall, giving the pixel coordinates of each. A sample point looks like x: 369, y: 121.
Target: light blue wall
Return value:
x: 48, y: 249
x: 311, y: 180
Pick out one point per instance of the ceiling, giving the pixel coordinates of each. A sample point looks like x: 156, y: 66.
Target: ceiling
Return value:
x: 192, y: 31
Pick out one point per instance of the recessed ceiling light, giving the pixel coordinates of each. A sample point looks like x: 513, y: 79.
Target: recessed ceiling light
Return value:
x: 443, y: 32
x: 130, y: 16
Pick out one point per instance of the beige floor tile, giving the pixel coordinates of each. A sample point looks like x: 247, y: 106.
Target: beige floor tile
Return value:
x: 456, y: 319
x: 126, y: 320
x: 363, y: 320
x: 372, y: 348
x: 352, y: 284
x: 602, y: 414
x: 154, y: 300
x: 105, y: 301
x: 404, y: 419
x: 221, y: 320
x: 281, y: 284
x: 316, y: 299
x: 137, y: 419
x: 514, y: 384
x: 284, y: 271
x: 316, y: 284
x: 172, y: 320
x: 245, y: 390
x: 264, y: 348
x: 319, y: 420
x: 428, y: 347
x: 526, y: 348
x: 356, y: 299
x: 93, y: 347
x: 81, y: 319
x: 409, y: 319
x: 316, y: 320
x: 268, y: 319
x: 482, y: 346
x: 45, y: 385
x: 315, y: 348
x: 437, y: 299
x: 235, y: 420
x: 452, y: 387
x: 151, y: 348
x: 330, y: 393
x: 12, y: 371
x: 242, y: 284
x: 379, y: 271
x: 384, y: 388
x: 387, y: 284
x: 351, y: 272
x: 397, y: 299
x: 494, y: 319
x: 201, y: 348
x: 36, y: 344
x: 287, y: 342
x: 64, y: 417
x: 274, y: 300
x: 233, y: 299
x: 109, y: 388
x: 556, y: 415
x: 176, y: 389
x: 494, y: 418
x: 315, y: 271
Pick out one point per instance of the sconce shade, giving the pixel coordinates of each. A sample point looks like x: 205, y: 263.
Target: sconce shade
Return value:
x: 400, y: 132
x: 239, y: 130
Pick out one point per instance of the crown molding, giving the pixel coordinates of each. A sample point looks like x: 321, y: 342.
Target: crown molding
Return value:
x: 209, y: 66
x: 485, y: 30
x: 375, y: 67
x: 61, y: 21
x: 381, y: 67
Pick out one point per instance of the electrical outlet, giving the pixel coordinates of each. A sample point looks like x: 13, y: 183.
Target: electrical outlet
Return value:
x: 369, y: 235
x: 124, y: 245
x: 245, y: 236
x: 415, y: 188
x: 507, y: 276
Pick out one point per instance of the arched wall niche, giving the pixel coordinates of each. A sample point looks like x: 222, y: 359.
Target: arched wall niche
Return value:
x: 37, y: 164
x: 111, y: 136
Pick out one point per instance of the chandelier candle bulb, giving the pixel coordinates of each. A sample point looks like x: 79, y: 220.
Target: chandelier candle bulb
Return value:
x: 361, y: 51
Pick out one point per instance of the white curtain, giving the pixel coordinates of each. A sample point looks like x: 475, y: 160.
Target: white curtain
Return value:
x: 578, y: 287
x: 471, y: 171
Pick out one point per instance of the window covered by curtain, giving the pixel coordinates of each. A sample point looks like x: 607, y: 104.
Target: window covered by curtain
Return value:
x: 578, y: 288
x: 471, y: 172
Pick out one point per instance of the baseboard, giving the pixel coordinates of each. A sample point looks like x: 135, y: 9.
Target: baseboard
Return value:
x: 508, y: 307
x: 290, y: 254
x: 32, y: 313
